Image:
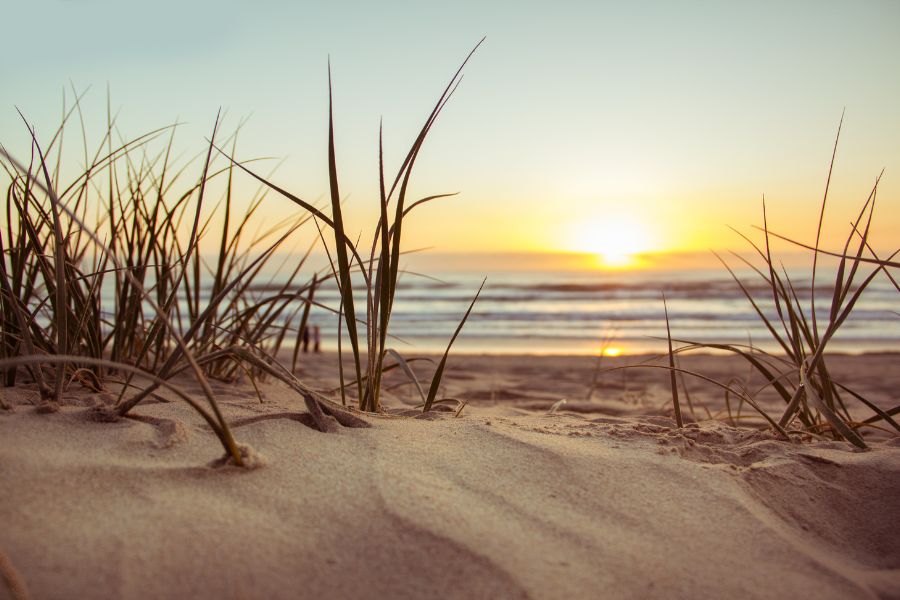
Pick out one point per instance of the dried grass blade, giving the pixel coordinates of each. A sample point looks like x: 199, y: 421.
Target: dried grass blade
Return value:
x: 672, y: 380
x: 344, y: 268
x: 439, y: 372
x: 833, y: 419
x: 404, y: 366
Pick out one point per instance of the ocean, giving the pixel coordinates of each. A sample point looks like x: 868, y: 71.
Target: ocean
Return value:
x: 588, y: 312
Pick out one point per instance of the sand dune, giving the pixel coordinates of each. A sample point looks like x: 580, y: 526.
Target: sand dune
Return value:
x: 504, y: 501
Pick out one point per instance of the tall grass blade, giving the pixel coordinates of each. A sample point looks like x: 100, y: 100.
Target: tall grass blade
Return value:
x: 673, y: 382
x: 340, y: 247
x: 812, y: 298
x: 439, y: 372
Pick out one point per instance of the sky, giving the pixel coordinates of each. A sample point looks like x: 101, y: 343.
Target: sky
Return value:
x: 601, y: 127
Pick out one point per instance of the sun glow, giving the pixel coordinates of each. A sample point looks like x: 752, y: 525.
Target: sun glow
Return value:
x: 616, y: 241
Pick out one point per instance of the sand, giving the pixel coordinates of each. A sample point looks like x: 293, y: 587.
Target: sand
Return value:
x: 605, y: 498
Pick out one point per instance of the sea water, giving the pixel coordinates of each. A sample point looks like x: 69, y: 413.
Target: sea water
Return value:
x: 587, y: 312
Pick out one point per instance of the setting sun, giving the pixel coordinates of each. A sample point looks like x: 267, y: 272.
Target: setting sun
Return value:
x: 616, y: 241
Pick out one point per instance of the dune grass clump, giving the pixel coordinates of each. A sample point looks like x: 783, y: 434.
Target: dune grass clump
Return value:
x: 123, y: 300
x: 815, y: 402
x: 68, y: 288
x: 380, y: 267
x: 102, y: 279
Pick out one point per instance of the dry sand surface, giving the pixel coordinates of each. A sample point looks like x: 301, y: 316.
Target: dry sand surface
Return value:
x: 604, y: 498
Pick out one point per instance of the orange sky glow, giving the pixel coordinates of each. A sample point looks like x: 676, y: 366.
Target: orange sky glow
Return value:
x: 624, y: 139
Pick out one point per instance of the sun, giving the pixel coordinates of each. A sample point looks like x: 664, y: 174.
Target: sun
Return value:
x: 616, y: 241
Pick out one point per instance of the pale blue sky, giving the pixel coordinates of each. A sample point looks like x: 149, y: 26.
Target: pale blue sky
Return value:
x: 681, y: 113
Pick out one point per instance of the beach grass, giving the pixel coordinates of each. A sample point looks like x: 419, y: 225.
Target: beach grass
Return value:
x: 102, y: 281
x: 121, y: 298
x: 380, y: 268
x: 815, y: 402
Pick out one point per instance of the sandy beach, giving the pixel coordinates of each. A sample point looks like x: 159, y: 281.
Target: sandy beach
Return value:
x: 603, y: 498
x: 356, y: 301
